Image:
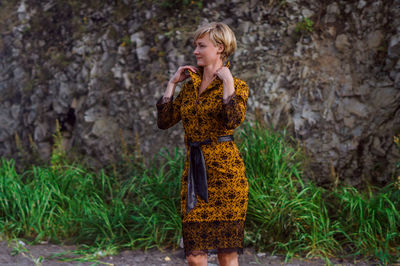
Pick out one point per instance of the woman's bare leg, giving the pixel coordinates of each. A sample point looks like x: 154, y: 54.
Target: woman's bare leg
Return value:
x: 197, y: 260
x: 228, y: 259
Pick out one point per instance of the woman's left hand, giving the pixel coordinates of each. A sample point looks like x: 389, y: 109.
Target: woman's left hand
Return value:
x: 225, y: 75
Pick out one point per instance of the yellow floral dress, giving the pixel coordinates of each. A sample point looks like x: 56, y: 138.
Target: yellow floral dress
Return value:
x: 216, y: 225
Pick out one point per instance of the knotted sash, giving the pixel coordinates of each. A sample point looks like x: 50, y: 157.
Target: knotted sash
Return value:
x: 197, y: 177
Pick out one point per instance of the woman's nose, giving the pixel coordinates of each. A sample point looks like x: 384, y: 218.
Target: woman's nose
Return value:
x: 195, y: 51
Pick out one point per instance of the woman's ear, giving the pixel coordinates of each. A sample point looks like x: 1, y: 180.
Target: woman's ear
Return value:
x: 221, y: 48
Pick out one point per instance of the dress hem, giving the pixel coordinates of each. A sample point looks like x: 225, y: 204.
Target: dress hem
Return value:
x: 214, y: 251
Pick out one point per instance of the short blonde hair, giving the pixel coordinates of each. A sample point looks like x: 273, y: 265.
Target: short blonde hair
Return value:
x: 219, y: 33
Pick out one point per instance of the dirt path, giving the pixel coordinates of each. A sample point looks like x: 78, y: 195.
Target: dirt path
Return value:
x: 18, y: 253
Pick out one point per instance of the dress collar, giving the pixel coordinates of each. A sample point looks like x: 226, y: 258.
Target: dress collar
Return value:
x: 197, y: 77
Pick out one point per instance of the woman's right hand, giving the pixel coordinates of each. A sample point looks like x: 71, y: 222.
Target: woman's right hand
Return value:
x: 180, y: 74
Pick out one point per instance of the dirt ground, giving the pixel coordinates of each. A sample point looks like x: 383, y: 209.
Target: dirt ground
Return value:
x: 18, y: 253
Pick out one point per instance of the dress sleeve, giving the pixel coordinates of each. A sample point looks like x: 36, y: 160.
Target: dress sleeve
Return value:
x: 169, y: 111
x: 234, y: 108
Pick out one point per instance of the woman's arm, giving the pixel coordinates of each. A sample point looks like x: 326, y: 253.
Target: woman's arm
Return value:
x: 234, y: 106
x: 168, y: 111
x: 234, y: 98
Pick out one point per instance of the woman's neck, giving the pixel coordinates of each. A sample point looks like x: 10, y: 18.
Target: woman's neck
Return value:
x: 209, y: 70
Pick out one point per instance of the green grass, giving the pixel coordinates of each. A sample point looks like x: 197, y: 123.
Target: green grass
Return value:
x: 370, y: 222
x: 69, y: 204
x: 139, y: 207
x: 284, y: 213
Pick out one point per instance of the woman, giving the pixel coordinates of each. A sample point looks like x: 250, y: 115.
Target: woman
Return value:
x: 211, y: 105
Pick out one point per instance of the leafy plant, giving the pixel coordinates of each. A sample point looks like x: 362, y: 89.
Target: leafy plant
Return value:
x: 397, y: 142
x: 58, y: 153
x: 19, y: 247
x: 126, y: 41
x: 305, y: 26
x: 178, y: 4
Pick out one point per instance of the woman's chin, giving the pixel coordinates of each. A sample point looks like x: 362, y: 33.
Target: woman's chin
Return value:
x: 200, y: 63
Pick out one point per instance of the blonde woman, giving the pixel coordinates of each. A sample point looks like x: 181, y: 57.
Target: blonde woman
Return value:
x: 211, y: 104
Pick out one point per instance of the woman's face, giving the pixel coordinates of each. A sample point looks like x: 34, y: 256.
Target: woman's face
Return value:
x: 206, y: 52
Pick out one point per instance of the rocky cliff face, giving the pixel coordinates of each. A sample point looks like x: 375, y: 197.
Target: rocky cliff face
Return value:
x: 326, y: 70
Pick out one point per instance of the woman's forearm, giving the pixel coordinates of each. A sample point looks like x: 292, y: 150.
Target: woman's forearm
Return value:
x: 169, y: 92
x: 229, y: 89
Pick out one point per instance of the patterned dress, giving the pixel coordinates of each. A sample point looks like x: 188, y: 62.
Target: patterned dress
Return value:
x: 216, y: 226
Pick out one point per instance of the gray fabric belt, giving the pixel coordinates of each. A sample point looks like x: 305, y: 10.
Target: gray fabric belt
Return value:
x: 197, y: 177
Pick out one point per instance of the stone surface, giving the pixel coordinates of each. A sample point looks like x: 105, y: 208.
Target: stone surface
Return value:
x: 374, y: 39
x: 394, y: 47
x: 98, y: 70
x: 342, y: 42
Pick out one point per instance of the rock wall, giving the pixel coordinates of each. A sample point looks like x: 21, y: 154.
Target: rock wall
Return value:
x: 328, y: 71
